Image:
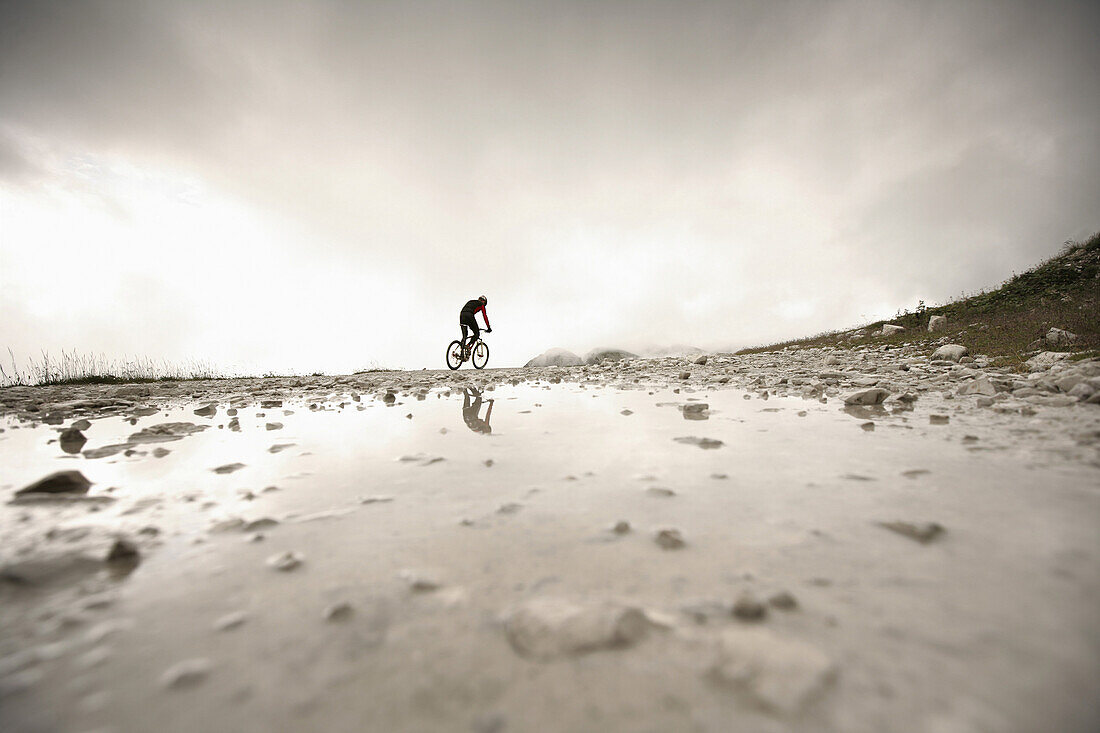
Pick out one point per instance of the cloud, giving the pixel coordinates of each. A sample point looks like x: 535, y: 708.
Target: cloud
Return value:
x: 605, y: 171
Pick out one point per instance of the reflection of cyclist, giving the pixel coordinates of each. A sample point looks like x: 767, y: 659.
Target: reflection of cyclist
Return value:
x: 469, y: 412
x: 466, y: 319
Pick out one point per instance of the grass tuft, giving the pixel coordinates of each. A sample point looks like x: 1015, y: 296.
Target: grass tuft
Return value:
x: 75, y: 368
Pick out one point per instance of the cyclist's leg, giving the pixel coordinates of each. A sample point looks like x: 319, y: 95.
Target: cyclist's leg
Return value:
x: 471, y: 323
x: 477, y: 333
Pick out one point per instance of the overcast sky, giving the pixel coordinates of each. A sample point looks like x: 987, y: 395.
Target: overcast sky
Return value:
x: 321, y: 186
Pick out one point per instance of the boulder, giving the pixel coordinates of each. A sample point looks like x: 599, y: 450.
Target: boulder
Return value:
x: 555, y: 357
x: 950, y: 352
x: 937, y: 323
x: 889, y: 329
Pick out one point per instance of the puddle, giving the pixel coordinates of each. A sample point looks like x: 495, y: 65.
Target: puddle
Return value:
x: 367, y: 552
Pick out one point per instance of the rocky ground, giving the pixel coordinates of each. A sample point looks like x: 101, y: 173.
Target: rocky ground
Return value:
x: 876, y: 538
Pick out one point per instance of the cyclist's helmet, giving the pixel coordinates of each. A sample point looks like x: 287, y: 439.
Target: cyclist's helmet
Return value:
x: 484, y: 300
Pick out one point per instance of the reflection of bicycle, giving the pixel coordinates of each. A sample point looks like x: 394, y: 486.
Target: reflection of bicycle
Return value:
x: 478, y: 353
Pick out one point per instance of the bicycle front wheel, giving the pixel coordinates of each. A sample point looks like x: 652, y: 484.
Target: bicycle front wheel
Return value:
x: 454, y: 354
x: 481, y: 355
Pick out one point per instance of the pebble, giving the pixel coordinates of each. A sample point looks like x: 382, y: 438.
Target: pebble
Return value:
x: 188, y: 673
x: 285, y: 561
x: 783, y: 600
x: 660, y: 491
x: 258, y: 524
x: 123, y: 551
x: 748, y: 608
x: 230, y: 621
x: 669, y: 539
x: 419, y: 582
x: 340, y: 611
x: 704, y: 443
x: 923, y: 532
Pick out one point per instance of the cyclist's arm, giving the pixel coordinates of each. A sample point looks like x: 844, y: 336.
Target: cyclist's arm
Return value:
x: 485, y: 316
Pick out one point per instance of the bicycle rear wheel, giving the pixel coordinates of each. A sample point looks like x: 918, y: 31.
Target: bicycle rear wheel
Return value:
x: 481, y: 355
x: 454, y: 354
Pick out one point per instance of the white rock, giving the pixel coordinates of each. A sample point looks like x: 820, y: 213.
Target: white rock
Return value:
x: 889, y: 329
x: 1045, y: 360
x: 781, y: 675
x: 547, y: 628
x: 1058, y: 337
x: 937, y: 323
x: 981, y: 386
x: 950, y: 352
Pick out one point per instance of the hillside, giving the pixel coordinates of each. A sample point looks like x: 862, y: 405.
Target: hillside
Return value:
x: 1010, y: 323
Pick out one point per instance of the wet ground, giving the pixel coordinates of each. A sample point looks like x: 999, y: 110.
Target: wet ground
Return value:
x: 465, y: 553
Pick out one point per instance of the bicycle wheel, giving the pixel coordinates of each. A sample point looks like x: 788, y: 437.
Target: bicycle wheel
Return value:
x: 481, y: 355
x: 454, y: 354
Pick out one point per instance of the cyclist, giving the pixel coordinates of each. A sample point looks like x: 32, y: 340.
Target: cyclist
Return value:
x: 466, y: 320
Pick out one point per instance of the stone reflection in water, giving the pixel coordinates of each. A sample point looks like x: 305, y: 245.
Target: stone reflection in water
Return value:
x: 865, y: 413
x: 72, y: 440
x: 471, y: 410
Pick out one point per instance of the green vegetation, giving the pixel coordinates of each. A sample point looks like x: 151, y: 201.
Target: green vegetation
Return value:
x: 1061, y: 292
x: 73, y: 368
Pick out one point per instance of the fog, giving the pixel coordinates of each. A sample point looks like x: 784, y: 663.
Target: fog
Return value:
x: 321, y: 186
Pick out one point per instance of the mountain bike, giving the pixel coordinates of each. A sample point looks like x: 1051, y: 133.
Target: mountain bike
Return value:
x: 478, y: 352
